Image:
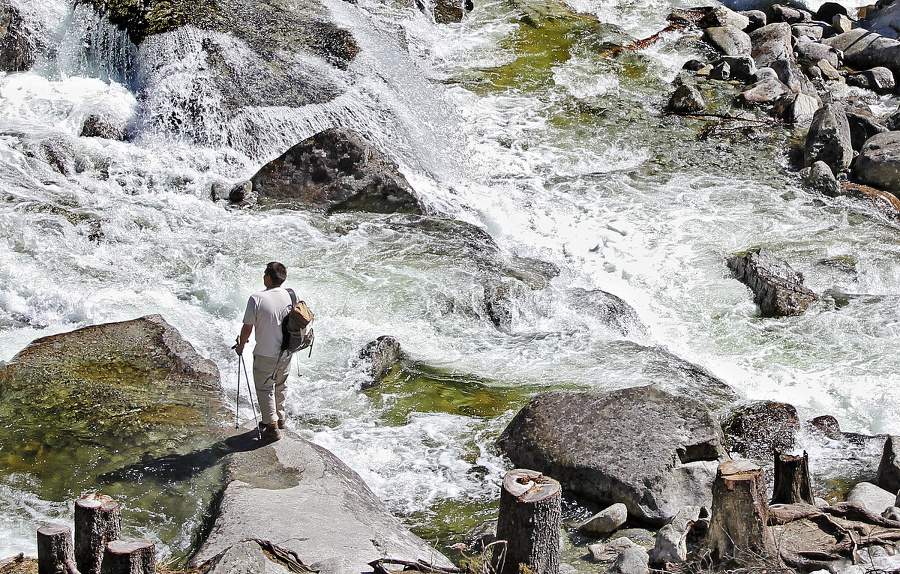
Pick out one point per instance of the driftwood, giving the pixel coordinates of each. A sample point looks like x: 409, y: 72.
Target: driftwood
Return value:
x: 740, y: 512
x: 289, y: 558
x: 97, y: 523
x: 645, y: 42
x: 380, y: 566
x: 529, y: 519
x: 129, y: 556
x: 814, y: 538
x: 792, y: 483
x: 55, y: 550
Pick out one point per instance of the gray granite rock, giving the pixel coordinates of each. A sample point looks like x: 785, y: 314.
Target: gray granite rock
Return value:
x: 304, y: 499
x: 729, y: 40
x: 829, y: 139
x: 878, y: 163
x: 605, y: 521
x: 652, y: 451
x: 873, y: 498
x: 776, y: 287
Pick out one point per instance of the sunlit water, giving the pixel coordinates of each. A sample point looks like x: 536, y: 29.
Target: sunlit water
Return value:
x: 527, y: 130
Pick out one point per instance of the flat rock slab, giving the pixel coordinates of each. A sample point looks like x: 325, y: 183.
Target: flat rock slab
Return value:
x: 303, y: 499
x: 650, y: 450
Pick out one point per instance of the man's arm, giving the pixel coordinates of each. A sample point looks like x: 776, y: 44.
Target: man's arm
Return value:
x: 242, y: 339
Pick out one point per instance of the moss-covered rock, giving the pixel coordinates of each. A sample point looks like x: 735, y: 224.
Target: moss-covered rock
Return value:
x: 266, y: 25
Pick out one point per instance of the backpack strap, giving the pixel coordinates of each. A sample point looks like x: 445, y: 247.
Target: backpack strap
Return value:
x: 293, y: 297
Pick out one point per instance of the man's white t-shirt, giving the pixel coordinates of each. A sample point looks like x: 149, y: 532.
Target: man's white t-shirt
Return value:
x: 265, y: 310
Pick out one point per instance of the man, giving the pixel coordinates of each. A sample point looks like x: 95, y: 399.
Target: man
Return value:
x: 265, y: 311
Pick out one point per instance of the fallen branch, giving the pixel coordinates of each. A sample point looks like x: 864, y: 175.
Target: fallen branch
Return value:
x: 416, y: 566
x: 287, y: 557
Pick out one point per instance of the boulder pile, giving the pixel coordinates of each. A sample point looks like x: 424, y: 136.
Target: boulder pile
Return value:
x: 797, y: 65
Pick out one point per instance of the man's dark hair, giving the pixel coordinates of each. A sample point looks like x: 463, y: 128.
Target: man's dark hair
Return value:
x: 276, y: 272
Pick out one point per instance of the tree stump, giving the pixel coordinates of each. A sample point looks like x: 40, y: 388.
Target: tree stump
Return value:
x: 529, y: 521
x: 738, y: 525
x: 55, y: 550
x: 129, y: 556
x: 792, y: 483
x: 97, y: 523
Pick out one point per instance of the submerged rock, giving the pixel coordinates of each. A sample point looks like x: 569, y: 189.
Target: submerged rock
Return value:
x: 686, y: 100
x: 337, y: 170
x: 777, y: 289
x: 304, y: 499
x: 107, y: 127
x: 820, y: 178
x: 878, y: 163
x: 378, y: 358
x: 652, y: 451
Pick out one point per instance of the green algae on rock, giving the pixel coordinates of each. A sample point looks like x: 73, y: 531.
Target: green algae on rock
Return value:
x: 76, y: 408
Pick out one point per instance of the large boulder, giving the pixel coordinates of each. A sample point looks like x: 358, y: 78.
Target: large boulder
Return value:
x: 17, y: 45
x: 652, y: 451
x: 771, y: 43
x: 729, y: 40
x: 135, y: 385
x: 878, y: 163
x: 756, y: 429
x: 776, y: 287
x: 885, y: 20
x: 863, y: 49
x: 126, y: 408
x: 302, y: 498
x: 337, y: 170
x: 879, y: 79
x: 230, y: 72
x: 863, y: 125
x: 829, y: 139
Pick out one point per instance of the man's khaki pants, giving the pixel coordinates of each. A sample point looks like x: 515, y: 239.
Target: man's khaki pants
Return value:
x: 270, y: 375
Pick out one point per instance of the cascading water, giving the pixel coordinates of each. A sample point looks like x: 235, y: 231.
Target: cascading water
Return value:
x: 514, y: 121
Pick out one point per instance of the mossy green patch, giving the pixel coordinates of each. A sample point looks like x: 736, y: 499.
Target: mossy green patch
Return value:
x: 417, y: 387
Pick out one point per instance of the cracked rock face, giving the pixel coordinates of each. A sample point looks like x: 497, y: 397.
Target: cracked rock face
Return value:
x: 652, y: 451
x: 776, y: 287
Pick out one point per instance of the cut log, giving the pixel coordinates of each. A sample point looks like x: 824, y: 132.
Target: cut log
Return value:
x: 738, y: 527
x: 97, y: 523
x: 792, y: 482
x: 55, y: 550
x: 529, y: 521
x: 129, y: 556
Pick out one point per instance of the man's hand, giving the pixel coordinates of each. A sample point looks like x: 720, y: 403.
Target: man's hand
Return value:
x: 242, y: 339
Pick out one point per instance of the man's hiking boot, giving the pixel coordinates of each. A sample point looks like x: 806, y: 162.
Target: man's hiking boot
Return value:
x: 270, y: 431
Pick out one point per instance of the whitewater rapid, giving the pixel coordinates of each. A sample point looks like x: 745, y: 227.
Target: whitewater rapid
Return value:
x: 566, y: 159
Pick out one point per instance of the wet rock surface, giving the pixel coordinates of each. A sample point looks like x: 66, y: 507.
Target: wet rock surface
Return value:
x: 756, y: 430
x: 17, y: 43
x: 776, y: 287
x: 337, y: 170
x: 878, y: 163
x: 652, y: 451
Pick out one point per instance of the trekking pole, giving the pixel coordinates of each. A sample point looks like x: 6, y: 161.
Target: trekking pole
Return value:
x: 237, y: 401
x: 250, y: 392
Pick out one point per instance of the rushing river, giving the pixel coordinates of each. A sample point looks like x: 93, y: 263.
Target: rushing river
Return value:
x: 519, y: 121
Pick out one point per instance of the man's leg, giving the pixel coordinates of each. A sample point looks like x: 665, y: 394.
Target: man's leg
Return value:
x: 282, y: 371
x: 263, y: 369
